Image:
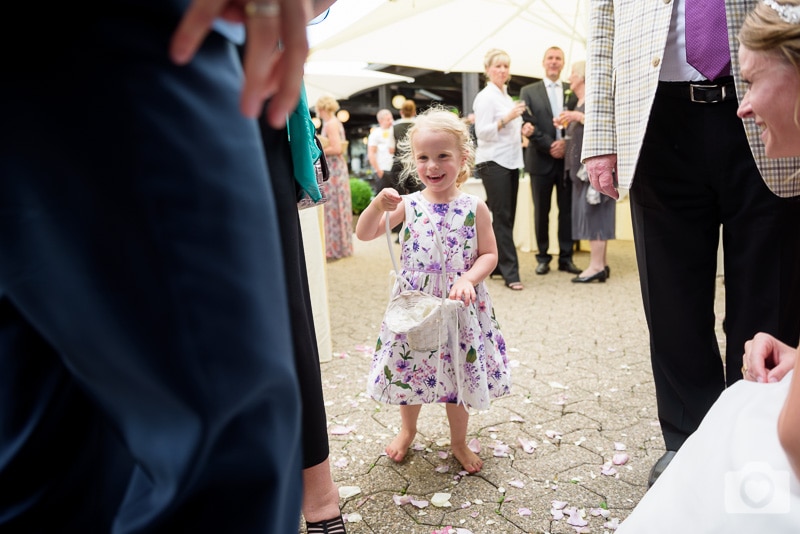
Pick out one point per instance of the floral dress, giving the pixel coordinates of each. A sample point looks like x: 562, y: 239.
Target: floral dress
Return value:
x: 339, y: 208
x: 399, y: 375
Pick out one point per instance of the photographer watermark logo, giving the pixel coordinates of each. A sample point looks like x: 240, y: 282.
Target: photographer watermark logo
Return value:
x: 757, y: 489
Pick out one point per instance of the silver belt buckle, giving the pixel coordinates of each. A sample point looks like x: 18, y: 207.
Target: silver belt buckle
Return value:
x: 694, y: 86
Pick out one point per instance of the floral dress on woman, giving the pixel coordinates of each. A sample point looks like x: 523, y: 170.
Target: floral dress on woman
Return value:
x: 399, y: 375
x: 339, y: 207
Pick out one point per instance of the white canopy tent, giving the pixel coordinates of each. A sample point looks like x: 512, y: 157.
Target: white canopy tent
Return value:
x: 343, y: 79
x: 454, y: 35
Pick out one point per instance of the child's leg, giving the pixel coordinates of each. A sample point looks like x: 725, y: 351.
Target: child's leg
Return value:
x: 397, y: 449
x: 458, y: 418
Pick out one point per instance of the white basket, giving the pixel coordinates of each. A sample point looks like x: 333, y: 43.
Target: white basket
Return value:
x: 418, y: 315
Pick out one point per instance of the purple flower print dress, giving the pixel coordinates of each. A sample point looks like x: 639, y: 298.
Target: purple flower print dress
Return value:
x: 399, y: 375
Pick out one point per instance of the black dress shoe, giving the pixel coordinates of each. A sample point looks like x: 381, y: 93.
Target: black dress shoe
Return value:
x: 543, y: 268
x: 608, y: 271
x: 600, y: 276
x: 569, y: 267
x: 659, y: 467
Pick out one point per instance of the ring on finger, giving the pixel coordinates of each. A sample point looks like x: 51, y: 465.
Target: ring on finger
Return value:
x: 262, y: 9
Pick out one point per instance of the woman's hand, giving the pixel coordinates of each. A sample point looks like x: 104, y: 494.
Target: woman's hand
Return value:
x: 766, y: 359
x: 276, y: 49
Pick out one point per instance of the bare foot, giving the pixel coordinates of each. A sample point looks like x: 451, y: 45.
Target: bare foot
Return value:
x: 398, y: 448
x: 470, y: 461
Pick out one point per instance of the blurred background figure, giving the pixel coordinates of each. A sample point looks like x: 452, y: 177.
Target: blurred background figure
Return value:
x: 338, y: 208
x: 498, y: 159
x: 593, y: 214
x: 380, y: 150
x: 408, y: 113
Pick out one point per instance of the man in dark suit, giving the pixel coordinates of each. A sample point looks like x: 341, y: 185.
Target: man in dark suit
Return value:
x: 544, y: 161
x: 145, y: 347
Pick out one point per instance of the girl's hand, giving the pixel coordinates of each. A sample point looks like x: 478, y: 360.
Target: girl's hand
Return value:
x: 387, y: 199
x: 463, y: 290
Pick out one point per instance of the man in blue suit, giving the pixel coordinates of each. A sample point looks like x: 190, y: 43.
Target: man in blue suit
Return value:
x: 146, y: 369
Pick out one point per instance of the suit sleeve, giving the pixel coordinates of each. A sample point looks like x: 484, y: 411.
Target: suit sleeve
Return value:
x: 600, y: 130
x: 543, y: 134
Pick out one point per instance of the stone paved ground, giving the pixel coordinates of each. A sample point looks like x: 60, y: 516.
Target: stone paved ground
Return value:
x: 581, y: 385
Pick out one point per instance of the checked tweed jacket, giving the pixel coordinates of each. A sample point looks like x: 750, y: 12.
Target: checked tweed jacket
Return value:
x: 624, y: 51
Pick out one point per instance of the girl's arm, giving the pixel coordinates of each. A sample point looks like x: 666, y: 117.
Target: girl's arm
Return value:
x: 788, y: 427
x: 371, y: 221
x: 464, y: 288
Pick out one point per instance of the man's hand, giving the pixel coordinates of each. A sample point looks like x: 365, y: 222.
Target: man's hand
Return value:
x: 557, y: 149
x: 602, y: 171
x: 276, y: 49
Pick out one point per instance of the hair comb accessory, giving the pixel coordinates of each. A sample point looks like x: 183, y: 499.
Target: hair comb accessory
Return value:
x: 790, y: 14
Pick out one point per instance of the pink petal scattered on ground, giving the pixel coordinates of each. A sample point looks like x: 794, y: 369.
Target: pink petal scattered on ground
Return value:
x: 363, y: 348
x: 341, y: 355
x: 341, y: 462
x: 474, y: 514
x: 516, y: 483
x: 443, y: 455
x: 527, y: 445
x: 501, y: 450
x: 491, y: 429
x: 608, y: 470
x: 466, y: 505
x: 575, y: 518
x: 474, y: 445
x: 516, y: 419
x: 620, y: 459
x: 446, y: 530
x: 619, y: 446
x: 559, y: 505
x: 558, y: 515
x: 552, y: 434
x: 442, y: 469
x: 599, y: 512
x: 613, y: 524
x: 400, y: 500
x: 524, y: 512
x: 341, y: 430
x: 419, y: 503
x: 418, y: 447
x: 463, y: 473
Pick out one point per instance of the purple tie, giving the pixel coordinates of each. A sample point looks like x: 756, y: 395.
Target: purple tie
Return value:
x: 707, y: 47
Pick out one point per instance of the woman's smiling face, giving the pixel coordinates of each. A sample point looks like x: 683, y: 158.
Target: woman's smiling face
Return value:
x: 771, y: 100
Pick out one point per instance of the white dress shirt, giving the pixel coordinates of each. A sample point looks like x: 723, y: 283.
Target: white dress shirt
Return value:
x: 503, y: 146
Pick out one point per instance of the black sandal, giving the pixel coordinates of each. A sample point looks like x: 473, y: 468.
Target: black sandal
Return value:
x: 329, y: 526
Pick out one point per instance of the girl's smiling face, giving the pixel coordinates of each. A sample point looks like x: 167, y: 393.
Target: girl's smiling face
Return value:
x: 771, y: 100
x: 438, y: 159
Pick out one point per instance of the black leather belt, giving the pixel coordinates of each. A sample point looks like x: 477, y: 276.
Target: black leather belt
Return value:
x: 700, y: 92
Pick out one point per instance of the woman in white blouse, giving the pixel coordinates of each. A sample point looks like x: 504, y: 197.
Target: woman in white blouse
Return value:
x: 499, y: 130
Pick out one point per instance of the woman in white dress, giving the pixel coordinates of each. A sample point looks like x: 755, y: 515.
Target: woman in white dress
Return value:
x: 740, y: 471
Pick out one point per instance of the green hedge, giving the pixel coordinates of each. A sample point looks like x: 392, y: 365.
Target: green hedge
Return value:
x: 360, y: 193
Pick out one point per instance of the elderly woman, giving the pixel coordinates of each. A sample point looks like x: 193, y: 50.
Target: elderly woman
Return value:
x: 740, y: 471
x: 498, y: 159
x: 339, y: 208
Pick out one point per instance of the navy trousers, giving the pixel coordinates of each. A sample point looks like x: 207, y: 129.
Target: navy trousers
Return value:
x: 147, y: 379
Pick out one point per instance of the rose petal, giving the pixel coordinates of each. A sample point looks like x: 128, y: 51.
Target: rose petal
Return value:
x: 619, y: 446
x: 400, y: 500
x: 419, y: 503
x: 441, y: 500
x: 557, y: 514
x: 524, y: 512
x: 474, y: 445
x: 559, y: 505
x: 517, y: 483
x: 353, y: 517
x: 341, y: 430
x: 443, y: 455
x: 345, y: 492
x: 527, y: 445
x: 620, y: 459
x: 516, y: 419
x: 442, y: 469
x: 341, y: 462
x: 575, y: 518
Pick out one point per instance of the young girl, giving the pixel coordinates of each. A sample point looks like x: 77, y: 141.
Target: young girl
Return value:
x: 440, y: 153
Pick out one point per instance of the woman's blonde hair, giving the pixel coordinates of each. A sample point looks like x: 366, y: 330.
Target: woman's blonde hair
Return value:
x: 438, y: 119
x: 327, y: 103
x: 579, y: 68
x: 764, y: 30
x: 494, y: 55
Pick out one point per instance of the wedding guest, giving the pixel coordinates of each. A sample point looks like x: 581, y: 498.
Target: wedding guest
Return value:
x: 145, y: 365
x: 544, y: 161
x: 593, y: 214
x: 339, y: 207
x: 750, y: 483
x: 647, y: 131
x: 498, y: 158
x: 408, y: 113
x: 380, y: 150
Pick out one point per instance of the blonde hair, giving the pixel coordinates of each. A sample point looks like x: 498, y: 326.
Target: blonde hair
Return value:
x: 764, y: 30
x: 327, y: 103
x: 439, y: 119
x: 494, y: 55
x: 579, y: 68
